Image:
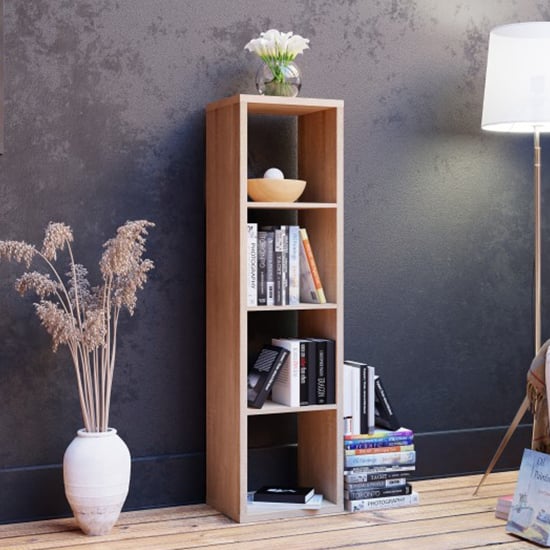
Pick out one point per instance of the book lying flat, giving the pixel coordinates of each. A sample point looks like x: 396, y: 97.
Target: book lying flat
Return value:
x: 314, y: 503
x: 297, y: 495
x: 381, y: 503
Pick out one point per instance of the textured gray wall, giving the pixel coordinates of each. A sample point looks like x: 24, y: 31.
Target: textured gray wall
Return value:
x: 105, y: 122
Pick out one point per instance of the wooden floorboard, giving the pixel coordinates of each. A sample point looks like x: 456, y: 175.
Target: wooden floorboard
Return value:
x: 448, y: 517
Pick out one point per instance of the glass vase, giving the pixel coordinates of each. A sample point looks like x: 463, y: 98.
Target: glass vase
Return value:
x: 279, y: 78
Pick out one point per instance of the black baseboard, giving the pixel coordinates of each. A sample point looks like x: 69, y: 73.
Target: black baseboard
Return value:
x: 37, y: 493
x: 462, y: 452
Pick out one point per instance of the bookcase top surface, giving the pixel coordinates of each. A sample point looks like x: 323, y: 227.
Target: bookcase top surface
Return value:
x: 277, y: 105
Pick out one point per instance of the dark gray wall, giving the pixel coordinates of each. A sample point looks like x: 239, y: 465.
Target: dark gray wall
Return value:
x: 104, y: 122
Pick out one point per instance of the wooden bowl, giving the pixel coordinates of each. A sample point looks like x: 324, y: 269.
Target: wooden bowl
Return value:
x: 275, y: 190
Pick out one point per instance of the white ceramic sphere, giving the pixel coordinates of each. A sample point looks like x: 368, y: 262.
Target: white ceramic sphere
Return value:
x: 274, y: 174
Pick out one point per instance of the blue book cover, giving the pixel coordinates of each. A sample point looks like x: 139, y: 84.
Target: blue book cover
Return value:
x: 529, y: 516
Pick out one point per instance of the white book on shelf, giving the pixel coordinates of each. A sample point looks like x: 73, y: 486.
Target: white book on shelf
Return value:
x: 286, y: 388
x: 252, y: 265
x: 293, y: 265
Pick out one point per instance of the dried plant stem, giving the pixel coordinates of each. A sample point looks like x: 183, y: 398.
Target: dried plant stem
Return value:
x: 86, y: 319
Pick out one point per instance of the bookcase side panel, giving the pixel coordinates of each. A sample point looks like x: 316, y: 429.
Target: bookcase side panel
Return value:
x: 320, y: 454
x: 318, y: 155
x: 223, y: 415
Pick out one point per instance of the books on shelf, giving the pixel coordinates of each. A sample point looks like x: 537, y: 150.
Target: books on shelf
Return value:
x: 281, y: 267
x: 377, y: 469
x: 262, y: 373
x: 308, y: 373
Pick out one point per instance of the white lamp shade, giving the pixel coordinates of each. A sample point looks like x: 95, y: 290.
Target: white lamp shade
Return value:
x: 517, y: 82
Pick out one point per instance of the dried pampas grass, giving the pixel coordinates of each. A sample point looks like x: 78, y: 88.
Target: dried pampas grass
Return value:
x: 83, y: 318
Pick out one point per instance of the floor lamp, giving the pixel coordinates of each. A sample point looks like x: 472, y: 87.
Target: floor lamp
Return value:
x: 517, y: 99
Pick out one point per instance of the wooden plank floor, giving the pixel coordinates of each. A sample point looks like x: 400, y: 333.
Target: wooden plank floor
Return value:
x: 447, y: 518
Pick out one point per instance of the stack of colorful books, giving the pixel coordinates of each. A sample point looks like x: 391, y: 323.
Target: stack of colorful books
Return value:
x: 377, y: 470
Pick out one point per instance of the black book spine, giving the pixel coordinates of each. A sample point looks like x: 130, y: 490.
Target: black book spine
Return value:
x: 331, y: 371
x: 377, y: 493
x: 385, y: 415
x: 364, y: 400
x: 270, y: 268
x: 284, y: 267
x: 278, y: 271
x: 262, y: 268
x: 321, y: 388
x: 312, y: 372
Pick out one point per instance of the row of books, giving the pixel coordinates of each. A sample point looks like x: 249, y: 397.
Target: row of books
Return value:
x: 281, y: 267
x: 377, y: 470
x: 297, y: 372
x: 366, y: 402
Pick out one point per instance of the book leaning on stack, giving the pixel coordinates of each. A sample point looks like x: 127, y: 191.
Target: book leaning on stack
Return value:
x: 377, y: 470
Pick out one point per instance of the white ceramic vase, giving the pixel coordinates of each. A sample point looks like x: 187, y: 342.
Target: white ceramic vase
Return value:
x: 96, y: 474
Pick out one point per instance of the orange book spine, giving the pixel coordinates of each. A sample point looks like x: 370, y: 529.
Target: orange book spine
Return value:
x: 313, y: 266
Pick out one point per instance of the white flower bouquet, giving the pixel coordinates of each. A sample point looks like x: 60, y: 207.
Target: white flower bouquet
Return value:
x: 278, y: 50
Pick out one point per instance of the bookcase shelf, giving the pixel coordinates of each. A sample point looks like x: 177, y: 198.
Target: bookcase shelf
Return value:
x: 276, y: 408
x: 299, y: 307
x: 233, y: 327
x: 290, y: 205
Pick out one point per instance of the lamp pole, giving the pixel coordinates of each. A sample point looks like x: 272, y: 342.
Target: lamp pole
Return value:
x: 537, y: 297
x: 537, y: 268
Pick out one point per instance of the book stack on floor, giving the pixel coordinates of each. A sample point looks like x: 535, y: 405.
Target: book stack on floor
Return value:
x: 377, y: 470
x: 379, y: 454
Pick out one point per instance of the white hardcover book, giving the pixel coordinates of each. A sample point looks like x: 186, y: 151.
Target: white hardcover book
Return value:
x: 293, y: 265
x: 286, y: 388
x: 381, y: 503
x: 252, y: 265
x: 364, y: 394
x: 352, y: 397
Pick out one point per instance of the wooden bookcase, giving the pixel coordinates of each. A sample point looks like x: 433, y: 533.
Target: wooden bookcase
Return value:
x: 318, y: 149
